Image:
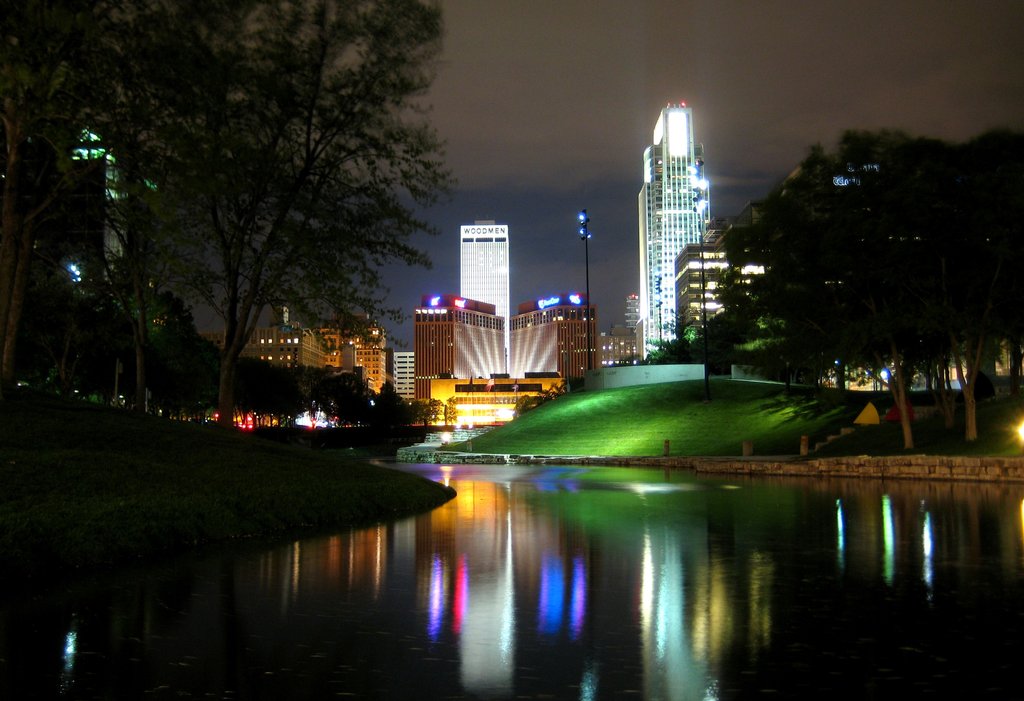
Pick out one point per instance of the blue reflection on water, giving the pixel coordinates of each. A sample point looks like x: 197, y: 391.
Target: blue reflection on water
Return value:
x: 550, y: 607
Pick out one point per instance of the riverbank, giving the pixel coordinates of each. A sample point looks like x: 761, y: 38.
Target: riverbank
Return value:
x: 937, y: 467
x: 85, y: 485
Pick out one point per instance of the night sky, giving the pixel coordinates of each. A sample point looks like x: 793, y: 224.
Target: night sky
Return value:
x: 546, y: 108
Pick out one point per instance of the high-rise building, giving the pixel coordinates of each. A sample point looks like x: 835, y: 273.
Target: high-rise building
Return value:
x: 456, y: 337
x: 550, y: 335
x: 673, y: 204
x: 405, y: 374
x: 632, y: 310
x: 484, y: 264
x: 698, y: 271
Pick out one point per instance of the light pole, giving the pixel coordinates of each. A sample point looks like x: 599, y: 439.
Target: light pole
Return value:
x: 701, y: 200
x: 704, y: 318
x: 584, y: 232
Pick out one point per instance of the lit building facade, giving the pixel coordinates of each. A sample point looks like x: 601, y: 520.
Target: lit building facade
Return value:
x: 550, y: 335
x: 690, y: 289
x: 456, y: 337
x: 673, y: 208
x: 618, y: 346
x: 366, y: 350
x: 489, y: 402
x: 284, y: 346
x: 405, y: 374
x: 484, y: 256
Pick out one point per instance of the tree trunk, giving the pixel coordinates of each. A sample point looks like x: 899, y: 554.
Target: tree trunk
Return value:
x: 140, y: 377
x: 942, y: 393
x: 899, y: 392
x: 141, y: 337
x: 1016, y: 359
x: 967, y: 373
x: 10, y: 239
x: 226, y: 387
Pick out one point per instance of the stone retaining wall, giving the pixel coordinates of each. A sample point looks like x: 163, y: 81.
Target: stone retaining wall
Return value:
x: 977, y: 469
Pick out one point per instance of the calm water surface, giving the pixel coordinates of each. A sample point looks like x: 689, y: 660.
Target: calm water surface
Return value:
x: 567, y: 583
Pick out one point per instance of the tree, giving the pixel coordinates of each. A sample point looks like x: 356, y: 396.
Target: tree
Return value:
x: 347, y: 398
x: 303, y: 157
x: 978, y: 293
x: 267, y: 391
x: 73, y: 337
x: 838, y: 242
x: 315, y: 387
x: 389, y: 410
x: 451, y: 411
x: 182, y: 372
x: 48, y: 67
x: 677, y: 349
x: 135, y: 121
x: 856, y: 248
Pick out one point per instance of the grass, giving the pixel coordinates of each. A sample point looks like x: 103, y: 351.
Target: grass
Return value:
x: 637, y: 421
x: 86, y: 485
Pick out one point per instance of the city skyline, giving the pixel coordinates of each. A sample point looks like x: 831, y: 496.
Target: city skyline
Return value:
x: 545, y: 109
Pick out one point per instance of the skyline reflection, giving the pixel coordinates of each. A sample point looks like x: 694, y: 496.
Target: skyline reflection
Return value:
x: 567, y: 582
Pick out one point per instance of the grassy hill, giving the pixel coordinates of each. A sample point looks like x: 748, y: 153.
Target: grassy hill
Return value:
x: 86, y: 485
x: 637, y: 421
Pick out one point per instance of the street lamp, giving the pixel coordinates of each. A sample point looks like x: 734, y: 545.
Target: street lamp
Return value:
x: 701, y: 206
x: 584, y: 232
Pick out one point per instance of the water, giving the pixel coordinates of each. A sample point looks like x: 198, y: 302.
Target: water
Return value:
x: 566, y: 583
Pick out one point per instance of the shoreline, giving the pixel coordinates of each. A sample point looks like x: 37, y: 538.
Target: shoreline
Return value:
x: 929, y: 467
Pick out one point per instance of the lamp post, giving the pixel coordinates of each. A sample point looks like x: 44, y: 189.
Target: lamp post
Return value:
x: 704, y: 318
x: 584, y: 232
x: 701, y: 200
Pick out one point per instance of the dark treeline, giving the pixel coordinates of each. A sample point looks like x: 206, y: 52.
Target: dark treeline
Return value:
x: 239, y: 154
x: 890, y: 253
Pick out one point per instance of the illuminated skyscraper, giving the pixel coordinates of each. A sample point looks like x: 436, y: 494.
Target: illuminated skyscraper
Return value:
x: 484, y: 256
x: 673, y: 205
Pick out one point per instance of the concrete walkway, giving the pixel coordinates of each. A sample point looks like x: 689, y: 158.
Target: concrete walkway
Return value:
x: 942, y: 467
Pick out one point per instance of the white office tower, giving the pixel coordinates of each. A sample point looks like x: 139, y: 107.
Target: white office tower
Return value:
x: 673, y: 207
x: 405, y: 374
x: 484, y: 255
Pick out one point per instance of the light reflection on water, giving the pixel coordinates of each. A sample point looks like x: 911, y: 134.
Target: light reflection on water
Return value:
x: 567, y: 583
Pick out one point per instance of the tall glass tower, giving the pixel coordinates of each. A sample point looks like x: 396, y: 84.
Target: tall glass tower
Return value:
x: 484, y: 256
x: 673, y: 206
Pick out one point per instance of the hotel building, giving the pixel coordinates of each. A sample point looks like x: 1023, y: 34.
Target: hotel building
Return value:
x: 456, y: 337
x: 673, y: 207
x: 550, y: 335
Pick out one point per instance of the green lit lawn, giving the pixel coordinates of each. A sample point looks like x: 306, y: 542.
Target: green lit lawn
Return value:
x: 637, y: 421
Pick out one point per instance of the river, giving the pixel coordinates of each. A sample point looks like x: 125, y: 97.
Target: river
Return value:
x: 565, y: 583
